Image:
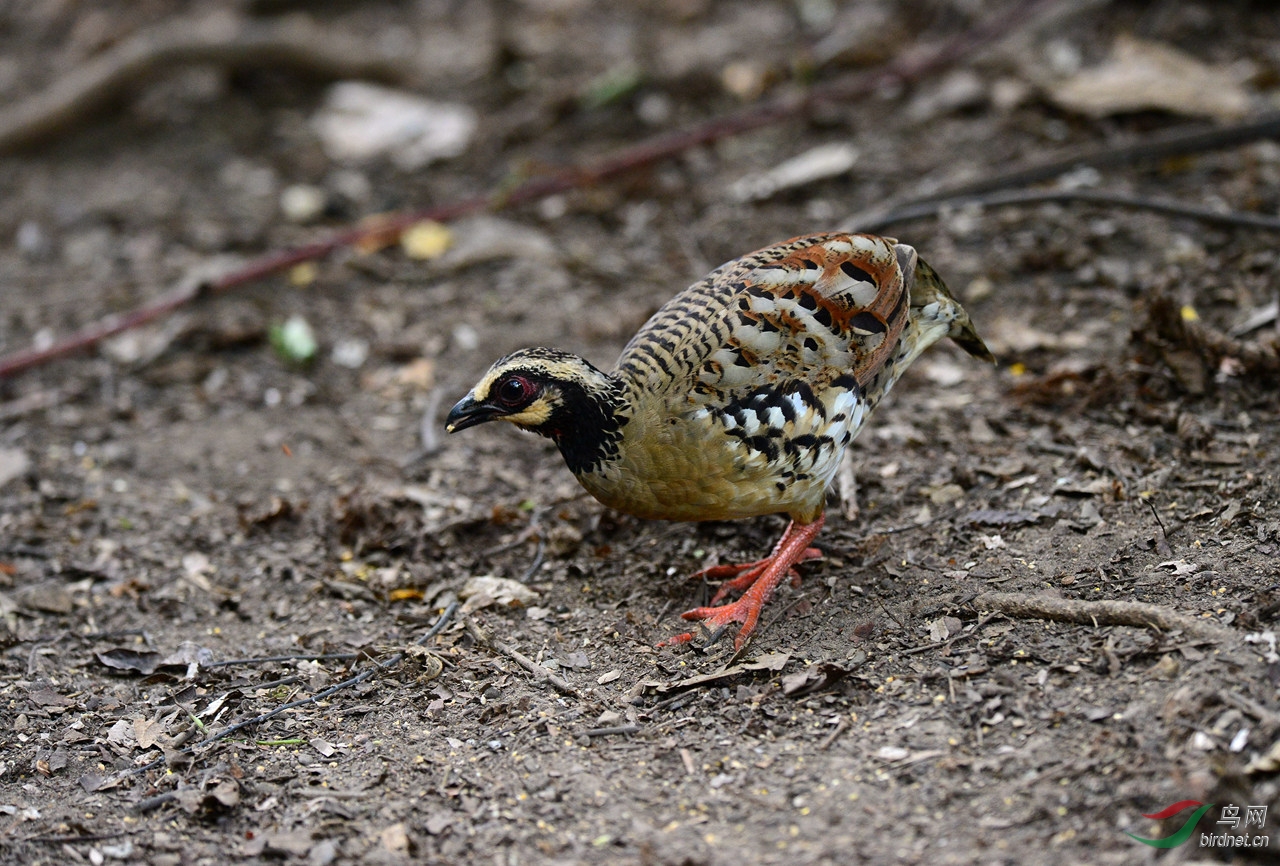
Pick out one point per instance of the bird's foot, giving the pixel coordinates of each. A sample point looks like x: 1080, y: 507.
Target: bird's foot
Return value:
x: 757, y: 581
x: 742, y: 577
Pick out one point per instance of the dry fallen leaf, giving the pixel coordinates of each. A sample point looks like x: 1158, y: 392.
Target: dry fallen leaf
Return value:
x: 1266, y: 763
x: 426, y: 240
x: 147, y: 732
x: 188, y: 655
x: 395, y: 839
x: 1142, y: 75
x: 818, y: 163
x: 361, y: 122
x: 14, y: 463
x: 500, y: 590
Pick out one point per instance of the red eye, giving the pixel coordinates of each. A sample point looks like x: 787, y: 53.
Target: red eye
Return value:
x: 513, y: 391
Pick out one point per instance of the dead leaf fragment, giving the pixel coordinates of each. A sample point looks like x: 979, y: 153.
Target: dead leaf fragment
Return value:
x: 92, y: 782
x: 395, y: 839
x: 892, y: 753
x: 47, y: 597
x: 124, y: 659
x: 147, y: 732
x: 1266, y: 763
x: 121, y: 735
x: 768, y: 662
x: 188, y: 655
x: 14, y: 463
x: 49, y: 698
x: 361, y: 122
x: 992, y: 542
x: 1179, y: 567
x: 944, y: 627
x: 1001, y: 517
x: 818, y: 163
x: 500, y: 590
x: 224, y: 795
x: 195, y: 568
x: 813, y: 678
x: 296, y: 842
x: 1142, y: 75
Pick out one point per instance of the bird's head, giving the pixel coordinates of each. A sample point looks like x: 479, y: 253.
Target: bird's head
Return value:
x: 556, y: 394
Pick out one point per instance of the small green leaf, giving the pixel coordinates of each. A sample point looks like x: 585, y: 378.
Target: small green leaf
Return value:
x: 294, y: 341
x: 612, y: 85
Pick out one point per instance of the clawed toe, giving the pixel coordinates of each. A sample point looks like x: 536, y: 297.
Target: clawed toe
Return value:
x: 756, y: 581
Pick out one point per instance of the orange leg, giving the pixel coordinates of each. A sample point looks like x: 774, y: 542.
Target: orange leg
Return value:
x: 743, y: 576
x: 757, y: 580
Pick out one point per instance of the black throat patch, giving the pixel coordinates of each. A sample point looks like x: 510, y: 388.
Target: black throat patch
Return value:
x: 586, y: 426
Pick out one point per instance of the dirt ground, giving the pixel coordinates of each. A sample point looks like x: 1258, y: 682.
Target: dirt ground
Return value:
x: 195, y: 530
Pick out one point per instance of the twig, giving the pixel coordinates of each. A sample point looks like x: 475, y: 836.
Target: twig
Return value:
x: 30, y: 403
x: 221, y: 39
x: 542, y: 673
x: 150, y: 804
x: 304, y: 656
x: 301, y: 702
x: 1248, y: 705
x: 445, y: 616
x: 71, y: 839
x: 611, y: 732
x: 274, y: 684
x: 907, y: 68
x: 1099, y: 613
x: 830, y: 738
x: 1162, y: 543
x: 933, y: 207
x: 483, y: 637
x: 537, y: 559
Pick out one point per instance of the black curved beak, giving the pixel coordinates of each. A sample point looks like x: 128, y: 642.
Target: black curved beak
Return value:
x: 469, y: 413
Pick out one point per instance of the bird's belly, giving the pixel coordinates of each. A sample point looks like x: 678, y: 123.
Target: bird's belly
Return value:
x: 682, y: 473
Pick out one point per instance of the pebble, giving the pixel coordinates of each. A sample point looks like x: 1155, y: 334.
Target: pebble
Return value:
x: 31, y: 240
x: 302, y: 203
x: 466, y: 338
x: 350, y: 352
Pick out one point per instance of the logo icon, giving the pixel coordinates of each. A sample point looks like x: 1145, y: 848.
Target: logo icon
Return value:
x: 1254, y: 816
x: 1184, y: 832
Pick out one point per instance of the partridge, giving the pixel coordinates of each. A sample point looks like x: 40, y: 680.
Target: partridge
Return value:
x: 738, y: 397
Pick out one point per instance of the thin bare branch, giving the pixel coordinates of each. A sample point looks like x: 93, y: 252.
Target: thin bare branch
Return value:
x: 1177, y: 142
x: 1004, y: 198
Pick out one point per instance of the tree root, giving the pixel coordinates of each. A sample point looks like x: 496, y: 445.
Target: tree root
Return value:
x: 1099, y: 613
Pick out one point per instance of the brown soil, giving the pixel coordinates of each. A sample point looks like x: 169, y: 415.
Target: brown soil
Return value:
x: 192, y: 497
